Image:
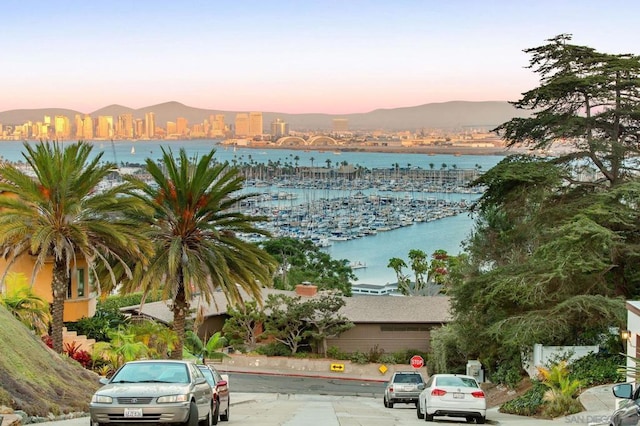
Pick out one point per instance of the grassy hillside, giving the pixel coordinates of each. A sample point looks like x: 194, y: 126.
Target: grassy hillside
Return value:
x: 35, y: 379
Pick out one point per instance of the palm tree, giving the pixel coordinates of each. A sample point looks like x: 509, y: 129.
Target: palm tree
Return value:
x: 61, y: 216
x: 194, y: 226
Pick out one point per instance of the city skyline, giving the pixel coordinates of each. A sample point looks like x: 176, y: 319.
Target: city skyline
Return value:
x: 285, y: 56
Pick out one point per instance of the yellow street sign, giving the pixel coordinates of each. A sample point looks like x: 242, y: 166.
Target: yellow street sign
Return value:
x: 382, y: 369
x: 337, y: 367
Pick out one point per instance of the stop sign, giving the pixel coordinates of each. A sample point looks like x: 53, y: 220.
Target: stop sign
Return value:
x: 416, y: 361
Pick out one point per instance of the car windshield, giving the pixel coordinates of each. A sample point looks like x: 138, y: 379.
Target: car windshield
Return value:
x: 408, y: 378
x: 152, y: 372
x: 456, y: 381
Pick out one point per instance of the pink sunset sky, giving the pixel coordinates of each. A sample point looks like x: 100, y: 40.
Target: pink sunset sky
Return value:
x: 323, y: 56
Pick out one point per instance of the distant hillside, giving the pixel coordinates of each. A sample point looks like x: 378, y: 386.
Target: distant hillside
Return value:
x: 35, y: 379
x: 456, y: 114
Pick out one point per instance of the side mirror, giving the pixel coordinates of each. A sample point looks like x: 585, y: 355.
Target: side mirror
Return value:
x: 103, y: 381
x: 421, y: 386
x: 623, y: 390
x: 200, y: 380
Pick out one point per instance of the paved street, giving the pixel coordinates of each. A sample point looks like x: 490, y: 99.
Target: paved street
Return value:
x: 271, y: 409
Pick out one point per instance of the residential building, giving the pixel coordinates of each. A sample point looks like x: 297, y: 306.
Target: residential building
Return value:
x: 389, y: 323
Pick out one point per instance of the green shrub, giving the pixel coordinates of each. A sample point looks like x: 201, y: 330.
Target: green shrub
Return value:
x: 404, y: 357
x: 115, y: 302
x: 529, y: 404
x: 387, y: 359
x: 335, y: 353
x: 507, y: 374
x: 597, y: 369
x: 98, y: 326
x: 273, y: 349
x: 359, y: 358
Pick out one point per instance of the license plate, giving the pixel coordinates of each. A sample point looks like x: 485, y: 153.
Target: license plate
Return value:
x: 458, y: 395
x: 133, y: 412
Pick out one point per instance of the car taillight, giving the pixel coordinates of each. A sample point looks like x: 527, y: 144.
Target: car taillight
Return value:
x: 438, y: 392
x: 477, y: 394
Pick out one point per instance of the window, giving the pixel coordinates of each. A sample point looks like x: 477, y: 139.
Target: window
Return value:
x: 81, y: 282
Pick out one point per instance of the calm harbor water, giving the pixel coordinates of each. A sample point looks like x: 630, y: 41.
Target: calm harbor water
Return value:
x: 374, y: 251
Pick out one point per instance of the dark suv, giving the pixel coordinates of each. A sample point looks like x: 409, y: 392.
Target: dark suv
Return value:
x: 405, y: 387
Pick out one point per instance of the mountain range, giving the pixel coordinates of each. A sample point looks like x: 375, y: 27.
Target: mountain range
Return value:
x: 454, y: 114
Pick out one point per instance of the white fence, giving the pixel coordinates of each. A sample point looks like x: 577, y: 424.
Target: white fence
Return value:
x: 542, y: 355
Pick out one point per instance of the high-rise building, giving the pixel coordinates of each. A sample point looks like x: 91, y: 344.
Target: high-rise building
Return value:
x: 279, y: 129
x: 242, y: 124
x: 87, y: 128
x: 182, y: 126
x: 218, y: 127
x: 172, y: 128
x: 138, y: 126
x: 62, y: 127
x: 124, y: 126
x: 105, y: 127
x: 149, y: 125
x: 78, y: 123
x: 340, y: 125
x: 255, y: 124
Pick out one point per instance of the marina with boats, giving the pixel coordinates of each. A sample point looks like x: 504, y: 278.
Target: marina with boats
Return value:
x: 367, y: 209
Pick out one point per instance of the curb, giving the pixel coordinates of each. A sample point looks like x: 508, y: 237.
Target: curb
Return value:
x: 313, y: 376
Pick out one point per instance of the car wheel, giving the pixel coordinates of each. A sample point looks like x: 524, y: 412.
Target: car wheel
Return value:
x: 384, y: 401
x: 427, y: 417
x: 193, y: 415
x: 216, y: 413
x: 225, y: 416
x: 420, y: 414
x: 207, y: 420
x: 469, y: 419
x: 389, y: 404
x: 480, y: 420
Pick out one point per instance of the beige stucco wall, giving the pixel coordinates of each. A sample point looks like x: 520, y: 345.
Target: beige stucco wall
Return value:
x: 366, y: 336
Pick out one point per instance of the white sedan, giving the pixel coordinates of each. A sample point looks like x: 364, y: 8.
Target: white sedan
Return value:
x: 452, y: 395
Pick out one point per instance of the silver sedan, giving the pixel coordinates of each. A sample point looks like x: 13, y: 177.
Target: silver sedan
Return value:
x: 154, y: 391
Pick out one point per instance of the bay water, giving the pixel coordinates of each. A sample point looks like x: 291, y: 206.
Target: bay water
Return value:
x: 374, y: 251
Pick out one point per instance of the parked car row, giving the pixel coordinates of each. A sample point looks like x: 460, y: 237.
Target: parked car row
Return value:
x: 162, y: 391
x: 447, y: 395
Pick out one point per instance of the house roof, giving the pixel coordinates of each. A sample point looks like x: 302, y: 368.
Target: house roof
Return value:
x: 358, y: 309
x: 219, y: 305
x: 397, y: 309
